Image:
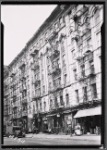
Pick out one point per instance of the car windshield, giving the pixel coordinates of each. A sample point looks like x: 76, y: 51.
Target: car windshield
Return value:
x: 16, y: 128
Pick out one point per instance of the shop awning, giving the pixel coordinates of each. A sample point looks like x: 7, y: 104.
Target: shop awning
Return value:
x: 50, y: 115
x: 88, y: 112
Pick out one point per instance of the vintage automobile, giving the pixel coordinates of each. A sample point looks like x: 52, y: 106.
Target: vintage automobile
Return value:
x: 15, y: 131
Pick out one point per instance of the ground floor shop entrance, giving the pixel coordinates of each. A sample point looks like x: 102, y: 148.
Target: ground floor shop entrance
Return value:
x: 55, y: 123
x: 60, y: 122
x: 89, y: 120
x: 91, y: 125
x: 37, y: 121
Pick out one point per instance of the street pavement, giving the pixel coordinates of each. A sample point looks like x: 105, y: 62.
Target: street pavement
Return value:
x: 52, y: 139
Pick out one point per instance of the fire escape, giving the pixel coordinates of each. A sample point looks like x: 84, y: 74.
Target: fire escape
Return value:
x: 13, y: 95
x: 54, y: 72
x: 83, y: 55
x: 35, y: 67
x: 23, y: 88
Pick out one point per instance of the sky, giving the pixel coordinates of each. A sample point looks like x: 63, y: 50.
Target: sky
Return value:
x: 20, y: 24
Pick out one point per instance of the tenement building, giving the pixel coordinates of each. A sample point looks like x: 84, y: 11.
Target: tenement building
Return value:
x: 55, y: 81
x: 6, y: 94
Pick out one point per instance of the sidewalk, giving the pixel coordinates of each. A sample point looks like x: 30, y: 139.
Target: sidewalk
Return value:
x: 58, y: 136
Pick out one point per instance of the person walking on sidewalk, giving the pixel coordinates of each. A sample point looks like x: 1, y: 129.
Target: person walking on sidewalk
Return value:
x: 70, y: 129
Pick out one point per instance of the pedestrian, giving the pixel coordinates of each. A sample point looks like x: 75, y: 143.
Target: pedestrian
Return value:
x: 33, y: 128
x: 70, y: 128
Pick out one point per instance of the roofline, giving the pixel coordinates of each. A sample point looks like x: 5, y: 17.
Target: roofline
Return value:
x: 51, y: 17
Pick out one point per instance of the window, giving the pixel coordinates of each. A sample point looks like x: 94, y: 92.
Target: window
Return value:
x: 63, y: 60
x: 77, y: 95
x: 96, y: 17
x: 61, y: 21
x: 37, y: 105
x: 94, y: 90
x: 56, y: 103
x: 69, y: 14
x: 92, y: 70
x: 73, y: 53
x: 59, y: 81
x: 98, y: 39
x: 44, y: 89
x: 84, y: 93
x: 46, y: 34
x: 88, y: 42
x: 75, y: 74
x: 76, y: 22
x: 42, y: 78
x: 67, y: 99
x: 56, y: 26
x: 62, y: 46
x: 65, y: 78
x: 44, y: 106
x: 82, y: 70
x: 51, y: 103
x: 48, y: 60
x: 33, y: 109
x: 40, y: 105
x: 61, y: 100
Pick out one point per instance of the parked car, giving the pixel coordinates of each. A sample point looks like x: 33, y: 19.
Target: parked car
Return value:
x: 18, y: 131
x: 15, y: 131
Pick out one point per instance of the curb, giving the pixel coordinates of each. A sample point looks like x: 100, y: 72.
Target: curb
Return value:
x: 67, y: 138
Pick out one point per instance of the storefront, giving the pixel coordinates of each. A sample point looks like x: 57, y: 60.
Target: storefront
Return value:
x: 38, y: 122
x: 30, y: 122
x: 14, y: 121
x: 55, y: 122
x: 89, y: 120
x: 44, y: 124
x: 24, y: 123
x: 67, y: 121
